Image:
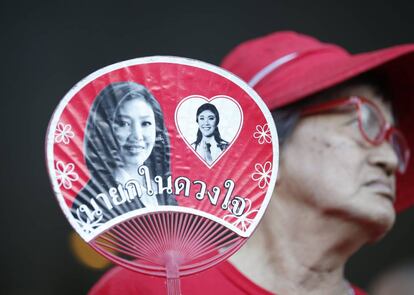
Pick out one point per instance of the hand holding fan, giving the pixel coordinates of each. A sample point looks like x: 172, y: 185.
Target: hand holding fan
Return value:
x: 164, y: 165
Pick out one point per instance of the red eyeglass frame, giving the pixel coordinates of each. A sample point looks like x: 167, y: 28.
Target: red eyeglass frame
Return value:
x: 386, y: 129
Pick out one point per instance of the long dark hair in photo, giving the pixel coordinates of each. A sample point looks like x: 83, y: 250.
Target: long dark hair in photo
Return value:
x: 102, y: 150
x: 221, y: 143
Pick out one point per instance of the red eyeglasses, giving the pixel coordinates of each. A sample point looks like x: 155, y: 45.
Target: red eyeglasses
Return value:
x: 372, y: 124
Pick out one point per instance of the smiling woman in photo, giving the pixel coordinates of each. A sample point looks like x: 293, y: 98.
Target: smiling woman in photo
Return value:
x: 125, y: 130
x: 209, y: 144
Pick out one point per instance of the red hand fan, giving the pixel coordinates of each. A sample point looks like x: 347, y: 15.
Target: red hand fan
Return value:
x: 164, y: 165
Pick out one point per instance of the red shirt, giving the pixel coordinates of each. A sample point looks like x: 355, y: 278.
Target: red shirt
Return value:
x: 224, y: 279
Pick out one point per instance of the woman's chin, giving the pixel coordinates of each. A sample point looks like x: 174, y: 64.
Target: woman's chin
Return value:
x: 373, y: 218
x: 378, y: 220
x: 136, y: 161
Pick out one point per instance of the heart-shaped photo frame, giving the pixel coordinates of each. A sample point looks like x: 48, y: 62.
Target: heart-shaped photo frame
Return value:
x: 209, y: 126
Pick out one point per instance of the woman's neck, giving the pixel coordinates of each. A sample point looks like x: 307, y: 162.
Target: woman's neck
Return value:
x: 208, y: 139
x: 299, y: 250
x: 127, y: 173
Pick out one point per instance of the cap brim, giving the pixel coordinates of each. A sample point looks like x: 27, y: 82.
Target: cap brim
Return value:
x: 397, y: 63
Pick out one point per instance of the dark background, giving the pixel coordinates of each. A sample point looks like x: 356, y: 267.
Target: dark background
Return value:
x: 47, y: 47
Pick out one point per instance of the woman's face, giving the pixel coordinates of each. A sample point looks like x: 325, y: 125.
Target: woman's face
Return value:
x: 327, y: 164
x: 134, y: 129
x: 207, y: 122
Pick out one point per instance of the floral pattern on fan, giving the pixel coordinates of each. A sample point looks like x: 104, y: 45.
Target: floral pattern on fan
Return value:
x: 63, y: 133
x: 262, y: 174
x: 245, y: 220
x: 65, y: 174
x: 87, y: 225
x: 262, y: 134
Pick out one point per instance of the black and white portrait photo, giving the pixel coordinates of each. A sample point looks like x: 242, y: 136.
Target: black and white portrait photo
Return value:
x: 125, y: 131
x: 209, y: 144
x: 209, y: 127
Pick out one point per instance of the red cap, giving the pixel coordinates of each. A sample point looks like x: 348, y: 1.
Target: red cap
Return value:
x: 284, y: 67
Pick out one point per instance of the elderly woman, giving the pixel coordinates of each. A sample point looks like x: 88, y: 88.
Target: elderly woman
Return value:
x: 125, y: 130
x: 341, y: 160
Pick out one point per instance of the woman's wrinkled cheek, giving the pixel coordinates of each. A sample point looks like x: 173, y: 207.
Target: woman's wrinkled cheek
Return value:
x: 337, y: 165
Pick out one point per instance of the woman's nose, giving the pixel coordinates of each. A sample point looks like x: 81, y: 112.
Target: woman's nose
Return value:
x: 385, y: 157
x: 136, y: 133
